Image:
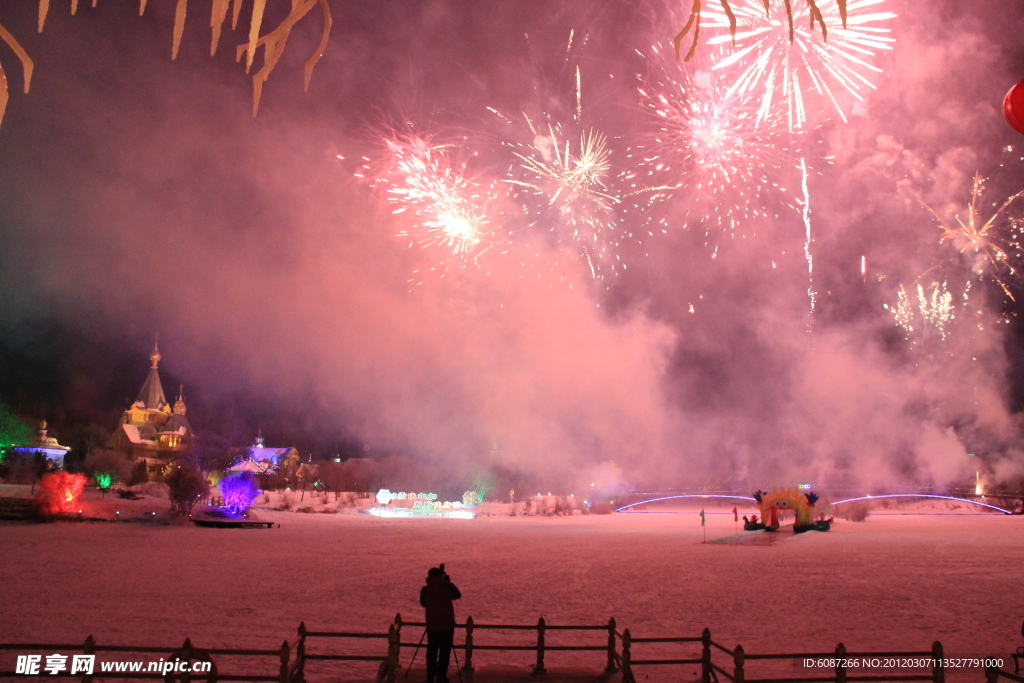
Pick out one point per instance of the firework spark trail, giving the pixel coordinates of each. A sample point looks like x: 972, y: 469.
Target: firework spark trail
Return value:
x: 771, y: 66
x: 991, y: 246
x: 806, y: 212
x: 579, y: 96
x: 706, y: 145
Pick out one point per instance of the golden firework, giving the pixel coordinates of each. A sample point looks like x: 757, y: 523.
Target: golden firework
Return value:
x: 991, y: 246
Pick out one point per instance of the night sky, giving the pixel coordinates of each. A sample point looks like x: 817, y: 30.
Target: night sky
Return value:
x: 139, y: 195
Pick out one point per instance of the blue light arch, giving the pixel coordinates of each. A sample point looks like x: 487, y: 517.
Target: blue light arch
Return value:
x: 685, y: 495
x: 924, y: 495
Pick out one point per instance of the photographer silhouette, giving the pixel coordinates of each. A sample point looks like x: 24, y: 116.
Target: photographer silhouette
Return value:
x: 436, y: 598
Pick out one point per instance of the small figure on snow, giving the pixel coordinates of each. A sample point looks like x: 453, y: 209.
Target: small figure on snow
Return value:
x: 436, y: 598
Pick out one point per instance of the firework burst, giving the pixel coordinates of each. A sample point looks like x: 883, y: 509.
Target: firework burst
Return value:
x: 706, y: 145
x: 563, y: 185
x: 991, y: 246
x: 448, y: 210
x: 775, y: 59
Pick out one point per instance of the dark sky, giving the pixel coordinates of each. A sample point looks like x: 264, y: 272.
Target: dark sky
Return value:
x: 138, y: 195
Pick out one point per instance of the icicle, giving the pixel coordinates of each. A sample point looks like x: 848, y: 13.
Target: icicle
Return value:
x: 324, y: 38
x: 44, y: 8
x: 179, y: 26
x: 26, y: 61
x: 815, y: 14
x: 694, y: 21
x: 254, y: 30
x: 732, y: 20
x: 218, y: 13
x: 789, y: 16
x: 142, y: 7
x: 3, y: 93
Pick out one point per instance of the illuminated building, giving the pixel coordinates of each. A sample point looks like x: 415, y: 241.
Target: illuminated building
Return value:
x: 151, y: 430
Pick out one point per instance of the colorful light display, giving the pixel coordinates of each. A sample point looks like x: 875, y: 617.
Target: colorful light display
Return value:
x: 422, y: 505
x: 59, y: 492
x: 238, y: 492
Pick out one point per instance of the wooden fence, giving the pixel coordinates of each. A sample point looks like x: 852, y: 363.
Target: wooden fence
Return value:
x: 273, y: 671
x: 739, y: 658
x: 469, y: 646
x: 732, y: 669
x: 619, y: 652
x: 994, y: 673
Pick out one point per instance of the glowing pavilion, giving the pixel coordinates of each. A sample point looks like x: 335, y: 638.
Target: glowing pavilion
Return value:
x: 46, y: 446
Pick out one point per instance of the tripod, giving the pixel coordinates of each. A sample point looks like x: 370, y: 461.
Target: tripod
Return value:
x: 454, y: 652
x: 416, y: 652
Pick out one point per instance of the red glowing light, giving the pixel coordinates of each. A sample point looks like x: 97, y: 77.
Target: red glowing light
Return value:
x: 59, y: 492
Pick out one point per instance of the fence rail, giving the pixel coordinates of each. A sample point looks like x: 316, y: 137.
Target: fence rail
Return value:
x: 716, y: 661
x: 187, y: 653
x: 994, y: 673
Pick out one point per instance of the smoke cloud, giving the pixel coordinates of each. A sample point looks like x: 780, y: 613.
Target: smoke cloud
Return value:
x: 137, y: 194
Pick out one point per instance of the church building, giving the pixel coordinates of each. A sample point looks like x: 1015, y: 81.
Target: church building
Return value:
x: 152, y: 431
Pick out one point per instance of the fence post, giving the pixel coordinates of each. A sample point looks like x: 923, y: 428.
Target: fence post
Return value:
x: 392, y: 662
x: 840, y: 663
x: 737, y: 662
x: 398, y: 641
x: 89, y: 649
x: 186, y: 655
x: 938, y: 670
x: 627, y: 667
x: 539, y: 669
x: 300, y: 656
x: 705, y: 656
x: 282, y: 674
x: 468, y: 666
x: 611, y: 646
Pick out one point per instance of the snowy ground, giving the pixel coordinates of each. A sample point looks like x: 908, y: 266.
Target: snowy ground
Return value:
x: 894, y: 582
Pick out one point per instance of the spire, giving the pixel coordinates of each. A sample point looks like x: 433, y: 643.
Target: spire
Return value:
x: 152, y: 394
x: 155, y: 356
x: 259, y: 439
x: 179, y: 405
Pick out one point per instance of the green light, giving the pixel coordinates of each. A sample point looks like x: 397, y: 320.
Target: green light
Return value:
x: 104, y: 479
x: 970, y: 455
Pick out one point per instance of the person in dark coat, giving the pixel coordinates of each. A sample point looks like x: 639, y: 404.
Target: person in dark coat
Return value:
x: 436, y: 598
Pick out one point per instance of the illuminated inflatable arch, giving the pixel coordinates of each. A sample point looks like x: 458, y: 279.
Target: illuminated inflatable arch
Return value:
x: 779, y: 500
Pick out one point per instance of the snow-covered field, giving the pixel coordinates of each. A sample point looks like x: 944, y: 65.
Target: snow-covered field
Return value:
x: 893, y: 582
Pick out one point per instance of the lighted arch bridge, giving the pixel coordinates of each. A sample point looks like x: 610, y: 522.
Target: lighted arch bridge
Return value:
x: 727, y: 497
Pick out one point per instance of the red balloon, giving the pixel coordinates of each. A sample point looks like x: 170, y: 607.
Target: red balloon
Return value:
x: 1013, y: 107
